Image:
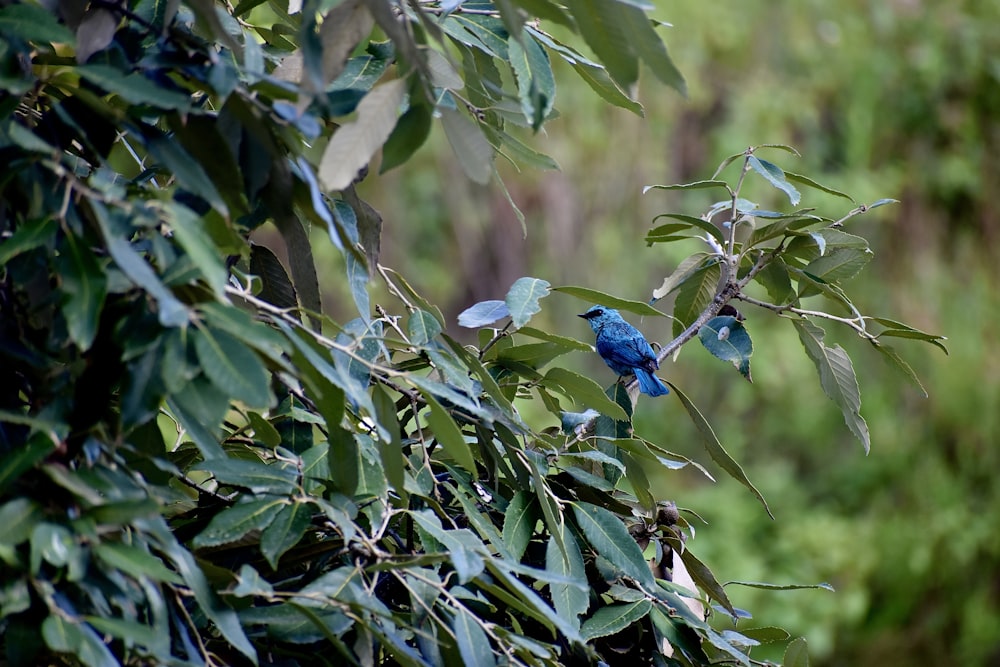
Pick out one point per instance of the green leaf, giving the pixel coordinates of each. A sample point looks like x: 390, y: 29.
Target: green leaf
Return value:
x: 810, y: 183
x: 483, y: 314
x: 254, y: 475
x: 893, y: 358
x: 354, y: 143
x: 583, y: 391
x: 536, y: 85
x: 130, y: 632
x: 605, y: 299
x: 597, y: 78
x: 191, y: 234
x: 773, y: 174
x: 684, y: 270
x: 727, y: 338
x: 614, y: 618
x: 447, y: 433
x: 899, y: 330
x: 134, y: 561
x: 694, y: 295
x: 224, y: 618
x: 715, y: 448
x: 34, y: 23
x: 188, y: 172
x: 277, y: 287
x: 523, y: 297
x: 264, y: 430
x: 696, y: 185
x: 233, y: 523
x: 779, y: 587
x: 79, y: 639
x: 285, y: 531
x: 422, y: 327
x: 836, y: 376
x: 172, y: 313
x: 471, y: 147
x: 473, y: 644
x: 693, y: 221
x: 570, y: 601
x: 519, y: 523
x: 839, y: 265
x: 233, y: 367
x: 24, y: 457
x: 303, y: 267
x: 18, y: 517
x: 84, y: 285
x: 409, y: 134
x: 390, y: 451
x: 607, y: 535
x: 602, y: 26
x: 796, y: 654
x: 28, y: 236
x: 651, y: 48
x: 703, y: 577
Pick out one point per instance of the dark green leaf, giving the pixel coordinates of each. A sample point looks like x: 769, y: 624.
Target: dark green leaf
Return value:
x: 694, y: 295
x: 24, y: 458
x: 773, y: 174
x: 34, y: 23
x: 254, y: 475
x: 650, y: 47
x: 447, y: 433
x: 715, y: 448
x: 135, y: 561
x: 85, y: 286
x: 779, y: 587
x: 808, y: 182
x: 18, y: 517
x: 232, y: 524
x: 607, y: 535
x: 191, y: 176
x: 473, y: 644
x: 607, y: 34
x: 604, y: 299
x: 583, y: 391
x: 891, y: 356
x: 193, y: 237
x: 727, y: 338
x: 614, y: 618
x: 836, y: 376
x: 285, y: 530
x: 519, y: 523
x: 410, y: 133
x: 233, y: 367
x: 300, y: 260
x: 28, y: 236
x: 535, y: 84
x: 570, y: 601
x: 277, y: 288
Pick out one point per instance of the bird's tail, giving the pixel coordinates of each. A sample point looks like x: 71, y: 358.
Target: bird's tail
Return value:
x: 650, y: 384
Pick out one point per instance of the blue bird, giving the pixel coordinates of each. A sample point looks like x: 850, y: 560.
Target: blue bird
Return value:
x: 624, y: 349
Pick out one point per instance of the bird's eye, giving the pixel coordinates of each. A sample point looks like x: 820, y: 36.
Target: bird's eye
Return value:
x: 598, y: 312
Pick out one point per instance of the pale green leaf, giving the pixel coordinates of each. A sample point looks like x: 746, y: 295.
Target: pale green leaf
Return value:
x: 354, y: 143
x: 471, y: 147
x: 523, y: 297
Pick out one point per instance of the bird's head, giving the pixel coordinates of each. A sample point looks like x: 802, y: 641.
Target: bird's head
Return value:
x: 600, y: 315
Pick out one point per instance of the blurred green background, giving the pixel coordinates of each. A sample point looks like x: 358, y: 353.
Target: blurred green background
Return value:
x: 895, y: 98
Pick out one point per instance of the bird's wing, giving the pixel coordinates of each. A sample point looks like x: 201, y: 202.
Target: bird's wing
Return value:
x: 625, y: 347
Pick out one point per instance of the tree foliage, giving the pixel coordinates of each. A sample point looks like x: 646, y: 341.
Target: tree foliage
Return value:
x: 201, y: 467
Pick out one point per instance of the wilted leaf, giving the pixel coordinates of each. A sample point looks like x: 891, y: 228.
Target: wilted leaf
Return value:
x: 354, y: 143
